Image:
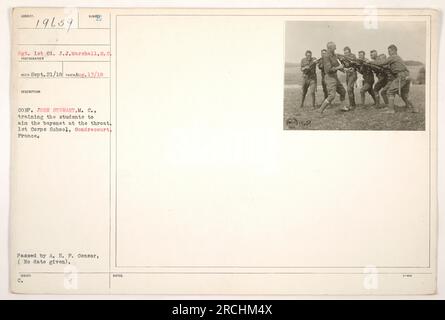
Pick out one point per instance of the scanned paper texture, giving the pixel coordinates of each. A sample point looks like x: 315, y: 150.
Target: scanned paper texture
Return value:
x: 223, y: 151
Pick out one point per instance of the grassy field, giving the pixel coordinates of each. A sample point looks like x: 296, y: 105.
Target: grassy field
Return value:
x: 362, y: 118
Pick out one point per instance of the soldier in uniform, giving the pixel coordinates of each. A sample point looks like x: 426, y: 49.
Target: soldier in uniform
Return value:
x: 382, y: 79
x: 351, y: 79
x: 324, y: 52
x: 330, y: 66
x: 389, y: 79
x: 368, y: 79
x: 400, y: 83
x: 308, y: 64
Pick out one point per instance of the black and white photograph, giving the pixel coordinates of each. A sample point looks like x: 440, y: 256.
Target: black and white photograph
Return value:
x: 348, y: 75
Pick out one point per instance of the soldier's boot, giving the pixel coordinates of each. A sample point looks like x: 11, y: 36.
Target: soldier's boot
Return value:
x: 351, y: 102
x: 324, y: 105
x: 385, y: 97
x: 390, y: 105
x: 377, y: 101
x: 302, y: 102
x: 374, y: 97
x: 313, y: 100
x: 409, y: 105
x: 362, y: 98
x: 345, y: 107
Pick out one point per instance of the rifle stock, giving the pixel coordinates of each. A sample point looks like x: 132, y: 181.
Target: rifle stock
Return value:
x: 313, y: 63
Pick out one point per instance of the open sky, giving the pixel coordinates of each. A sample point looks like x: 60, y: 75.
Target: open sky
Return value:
x: 409, y: 37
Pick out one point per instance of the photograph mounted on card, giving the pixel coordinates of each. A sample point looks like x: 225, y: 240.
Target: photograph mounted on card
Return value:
x: 357, y: 74
x: 223, y: 151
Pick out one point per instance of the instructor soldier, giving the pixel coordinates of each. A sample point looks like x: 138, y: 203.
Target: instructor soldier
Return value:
x: 330, y: 66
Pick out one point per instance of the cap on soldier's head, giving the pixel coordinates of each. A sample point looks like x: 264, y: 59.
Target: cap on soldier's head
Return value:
x: 393, y: 47
x: 330, y: 44
x: 308, y: 51
x: 373, y: 50
x: 347, y: 48
x: 361, y: 51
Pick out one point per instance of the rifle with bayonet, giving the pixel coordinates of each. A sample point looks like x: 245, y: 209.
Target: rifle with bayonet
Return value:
x: 357, y: 63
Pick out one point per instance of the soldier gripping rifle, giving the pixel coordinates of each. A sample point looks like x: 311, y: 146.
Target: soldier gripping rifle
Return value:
x: 331, y: 65
x: 383, y: 78
x: 398, y: 76
x: 368, y: 79
x: 351, y: 77
x: 313, y: 63
x: 324, y: 53
x: 308, y: 64
x: 399, y: 82
x: 379, y: 70
x: 358, y: 63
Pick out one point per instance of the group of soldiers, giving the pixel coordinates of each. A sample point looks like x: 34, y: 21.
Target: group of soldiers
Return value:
x: 391, y: 73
